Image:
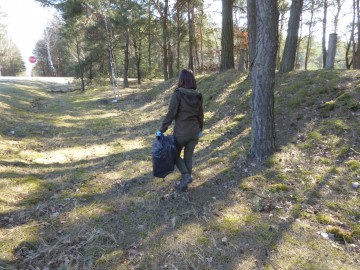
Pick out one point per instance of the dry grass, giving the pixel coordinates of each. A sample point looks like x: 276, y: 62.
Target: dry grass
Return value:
x: 77, y: 192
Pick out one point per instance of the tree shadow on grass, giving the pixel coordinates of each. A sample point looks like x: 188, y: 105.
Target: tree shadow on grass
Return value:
x: 139, y: 223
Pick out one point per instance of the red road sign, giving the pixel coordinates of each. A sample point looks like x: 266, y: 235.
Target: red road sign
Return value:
x: 32, y: 59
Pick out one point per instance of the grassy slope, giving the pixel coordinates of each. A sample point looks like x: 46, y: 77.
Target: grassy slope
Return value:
x: 76, y: 190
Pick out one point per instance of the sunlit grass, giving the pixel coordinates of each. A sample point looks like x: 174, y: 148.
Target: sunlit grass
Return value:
x: 76, y: 178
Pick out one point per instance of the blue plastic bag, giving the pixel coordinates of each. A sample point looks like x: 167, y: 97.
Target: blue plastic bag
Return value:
x: 164, y: 153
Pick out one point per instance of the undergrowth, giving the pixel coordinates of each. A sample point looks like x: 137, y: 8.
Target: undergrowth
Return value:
x: 77, y: 191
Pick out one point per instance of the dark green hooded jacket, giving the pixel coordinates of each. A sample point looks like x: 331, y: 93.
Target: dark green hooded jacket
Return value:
x: 186, y: 108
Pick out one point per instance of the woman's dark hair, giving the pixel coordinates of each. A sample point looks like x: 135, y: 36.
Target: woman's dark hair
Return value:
x: 187, y: 79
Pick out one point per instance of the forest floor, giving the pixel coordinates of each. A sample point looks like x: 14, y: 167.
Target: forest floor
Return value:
x: 77, y: 191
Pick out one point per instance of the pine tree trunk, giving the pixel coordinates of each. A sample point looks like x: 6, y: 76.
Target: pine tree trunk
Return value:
x: 126, y: 59
x: 297, y: 55
x: 196, y: 47
x: 137, y: 51
x: 356, y: 57
x: 251, y: 19
x: 178, y: 18
x: 242, y: 56
x: 111, y: 56
x: 227, y: 36
x: 308, y: 46
x: 278, y: 57
x: 288, y: 59
x: 191, y: 37
x: 201, y: 39
x: 79, y: 62
x: 324, y: 33
x: 170, y: 60
x: 349, y: 62
x: 165, y: 37
x: 149, y: 41
x: 263, y: 80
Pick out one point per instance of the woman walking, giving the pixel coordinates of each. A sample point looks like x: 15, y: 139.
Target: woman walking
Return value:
x: 186, y: 108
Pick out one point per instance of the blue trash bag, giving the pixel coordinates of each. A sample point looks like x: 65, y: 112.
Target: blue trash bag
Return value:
x: 164, y: 153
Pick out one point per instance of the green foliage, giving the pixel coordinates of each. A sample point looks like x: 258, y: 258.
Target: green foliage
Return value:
x: 278, y: 188
x: 324, y: 219
x: 340, y: 234
x: 353, y: 165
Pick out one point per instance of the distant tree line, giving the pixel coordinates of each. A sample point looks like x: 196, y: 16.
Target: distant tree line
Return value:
x: 11, y: 63
x: 152, y: 38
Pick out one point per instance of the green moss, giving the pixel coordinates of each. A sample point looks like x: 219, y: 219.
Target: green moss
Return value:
x: 305, y: 215
x: 293, y: 103
x: 239, y: 117
x: 278, y: 188
x: 355, y: 231
x: 354, y: 106
x: 296, y: 209
x: 328, y: 106
x: 246, y: 186
x: 231, y: 224
x: 324, y: 219
x: 107, y: 258
x: 353, y: 165
x: 335, y: 170
x: 342, y: 151
x: 272, y: 161
x: 325, y: 160
x: 340, y: 234
x: 344, y: 97
x: 331, y: 205
x: 203, y: 240
x: 315, y: 136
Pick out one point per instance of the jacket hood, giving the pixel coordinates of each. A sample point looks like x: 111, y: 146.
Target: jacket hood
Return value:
x: 191, y: 96
x: 190, y: 92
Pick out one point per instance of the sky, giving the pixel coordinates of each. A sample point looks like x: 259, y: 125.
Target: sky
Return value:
x: 25, y: 23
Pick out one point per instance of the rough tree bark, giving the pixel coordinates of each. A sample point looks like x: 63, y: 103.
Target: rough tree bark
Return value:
x: 308, y: 46
x: 149, y: 41
x: 109, y: 39
x: 126, y: 58
x: 356, y: 57
x: 283, y: 8
x: 227, y: 36
x: 165, y: 37
x: 191, y: 36
x: 201, y: 38
x: 288, y: 59
x: 263, y: 79
x: 324, y: 33
x: 251, y: 19
x: 351, y: 43
x: 178, y: 36
x: 242, y: 60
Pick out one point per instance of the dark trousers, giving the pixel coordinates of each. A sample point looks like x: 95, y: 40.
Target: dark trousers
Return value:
x: 187, y: 143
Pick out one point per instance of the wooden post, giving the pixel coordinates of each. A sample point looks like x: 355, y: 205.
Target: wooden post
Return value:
x: 331, y: 52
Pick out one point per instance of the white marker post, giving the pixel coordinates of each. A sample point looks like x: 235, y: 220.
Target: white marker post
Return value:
x: 32, y: 60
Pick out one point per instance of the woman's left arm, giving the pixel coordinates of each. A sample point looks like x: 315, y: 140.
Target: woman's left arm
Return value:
x: 201, y: 115
x: 171, y: 114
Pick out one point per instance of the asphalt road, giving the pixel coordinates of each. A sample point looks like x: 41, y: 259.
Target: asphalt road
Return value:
x: 60, y: 80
